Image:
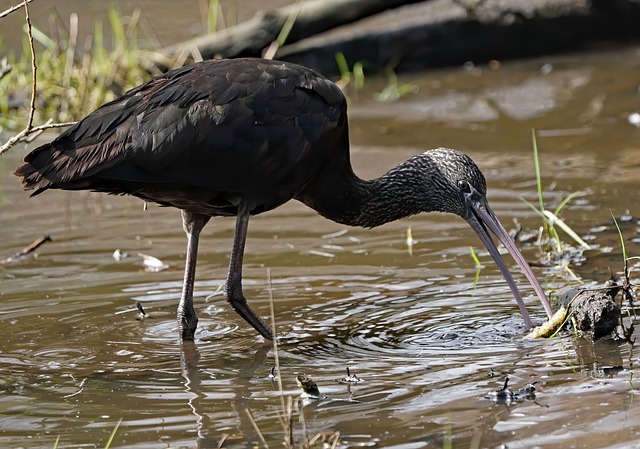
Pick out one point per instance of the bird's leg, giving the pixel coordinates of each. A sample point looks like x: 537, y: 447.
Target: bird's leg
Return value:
x: 187, y: 319
x: 233, y: 287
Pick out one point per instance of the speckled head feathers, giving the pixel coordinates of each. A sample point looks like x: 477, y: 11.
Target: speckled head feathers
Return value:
x: 445, y: 171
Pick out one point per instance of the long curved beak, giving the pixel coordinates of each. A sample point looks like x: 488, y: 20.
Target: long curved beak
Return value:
x: 480, y: 217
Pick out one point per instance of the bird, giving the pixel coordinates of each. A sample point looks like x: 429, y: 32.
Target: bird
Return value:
x: 239, y: 137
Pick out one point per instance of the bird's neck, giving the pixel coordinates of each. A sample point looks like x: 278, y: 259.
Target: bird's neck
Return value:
x: 339, y: 195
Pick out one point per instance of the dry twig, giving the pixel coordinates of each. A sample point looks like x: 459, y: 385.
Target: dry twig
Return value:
x: 14, y: 8
x: 29, y: 129
x: 256, y: 428
x: 27, y: 250
x: 34, y: 68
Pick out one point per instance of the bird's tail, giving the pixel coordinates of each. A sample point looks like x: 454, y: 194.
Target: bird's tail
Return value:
x: 86, y: 148
x: 39, y: 171
x: 61, y: 165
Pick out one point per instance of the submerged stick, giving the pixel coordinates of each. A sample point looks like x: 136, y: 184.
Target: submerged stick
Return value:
x: 28, y: 249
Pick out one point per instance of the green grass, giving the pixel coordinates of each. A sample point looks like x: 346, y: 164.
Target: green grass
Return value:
x: 113, y: 434
x: 394, y: 90
x: 475, y: 258
x: 626, y: 259
x: 348, y: 75
x: 556, y: 252
x: 108, y: 443
x: 354, y: 77
x: 75, y: 76
x: 622, y: 244
x: 551, y: 220
x: 212, y: 10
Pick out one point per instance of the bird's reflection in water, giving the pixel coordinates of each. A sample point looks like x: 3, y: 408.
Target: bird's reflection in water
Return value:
x: 191, y: 372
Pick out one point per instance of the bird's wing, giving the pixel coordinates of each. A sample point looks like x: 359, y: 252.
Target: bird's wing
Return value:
x: 244, y: 127
x: 200, y: 125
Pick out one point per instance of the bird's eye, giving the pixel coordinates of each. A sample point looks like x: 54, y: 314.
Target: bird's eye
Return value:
x: 464, y: 186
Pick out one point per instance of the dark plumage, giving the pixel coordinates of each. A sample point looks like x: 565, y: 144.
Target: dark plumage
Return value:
x: 241, y: 137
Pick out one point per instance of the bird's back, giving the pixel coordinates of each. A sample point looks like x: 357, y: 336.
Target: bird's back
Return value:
x: 203, y: 138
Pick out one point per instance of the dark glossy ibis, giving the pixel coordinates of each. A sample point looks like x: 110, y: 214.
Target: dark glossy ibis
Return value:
x: 241, y: 137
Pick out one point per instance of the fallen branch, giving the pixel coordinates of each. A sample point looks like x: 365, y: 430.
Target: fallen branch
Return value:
x: 27, y: 250
x: 252, y: 36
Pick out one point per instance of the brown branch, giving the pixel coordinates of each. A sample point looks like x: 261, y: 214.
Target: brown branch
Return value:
x: 24, y: 134
x: 13, y: 8
x: 37, y: 130
x: 32, y: 109
x: 27, y: 250
x: 29, y: 129
x: 34, y: 68
x: 11, y: 142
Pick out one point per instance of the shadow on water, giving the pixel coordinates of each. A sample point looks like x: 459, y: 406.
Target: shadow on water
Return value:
x: 429, y: 340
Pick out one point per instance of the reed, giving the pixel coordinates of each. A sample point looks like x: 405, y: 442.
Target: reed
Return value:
x: 76, y: 74
x: 550, y: 238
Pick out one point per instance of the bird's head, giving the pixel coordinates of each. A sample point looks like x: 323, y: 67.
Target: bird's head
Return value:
x: 456, y: 185
x: 449, y: 177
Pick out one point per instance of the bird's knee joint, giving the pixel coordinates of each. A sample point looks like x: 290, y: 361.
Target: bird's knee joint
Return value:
x: 235, y: 296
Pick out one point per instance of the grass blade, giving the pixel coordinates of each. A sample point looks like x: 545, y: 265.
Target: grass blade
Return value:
x: 343, y: 67
x: 475, y: 258
x: 565, y: 201
x: 536, y: 161
x: 554, y: 220
x: 535, y: 209
x: 624, y: 248
x: 113, y: 434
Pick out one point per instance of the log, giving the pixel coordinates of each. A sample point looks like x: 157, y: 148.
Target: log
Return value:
x: 423, y: 34
x: 448, y: 33
x: 250, y: 38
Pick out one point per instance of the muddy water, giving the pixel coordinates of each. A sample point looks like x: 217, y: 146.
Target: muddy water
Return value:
x: 429, y: 335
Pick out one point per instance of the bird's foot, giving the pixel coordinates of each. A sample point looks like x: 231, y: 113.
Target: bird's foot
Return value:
x: 187, y: 327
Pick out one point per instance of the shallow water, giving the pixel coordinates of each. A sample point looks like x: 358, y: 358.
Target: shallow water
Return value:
x: 429, y: 336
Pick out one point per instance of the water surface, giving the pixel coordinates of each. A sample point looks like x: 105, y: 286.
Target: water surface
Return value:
x: 429, y: 336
